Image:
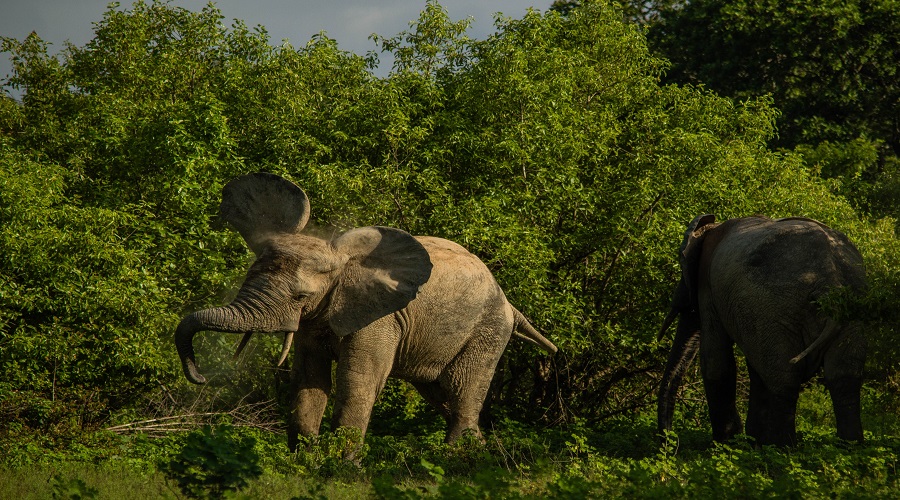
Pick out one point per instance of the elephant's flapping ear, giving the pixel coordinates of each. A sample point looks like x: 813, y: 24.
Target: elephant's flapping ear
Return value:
x: 691, y: 248
x: 385, y: 268
x: 263, y: 205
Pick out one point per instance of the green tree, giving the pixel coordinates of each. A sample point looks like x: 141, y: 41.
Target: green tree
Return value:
x: 571, y: 170
x: 831, y: 68
x: 76, y: 302
x: 638, y: 11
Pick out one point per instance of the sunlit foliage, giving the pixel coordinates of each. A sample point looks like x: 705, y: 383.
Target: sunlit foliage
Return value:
x: 551, y: 149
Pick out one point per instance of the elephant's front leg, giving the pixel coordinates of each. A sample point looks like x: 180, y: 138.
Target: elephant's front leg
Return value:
x: 310, y: 384
x: 365, y: 360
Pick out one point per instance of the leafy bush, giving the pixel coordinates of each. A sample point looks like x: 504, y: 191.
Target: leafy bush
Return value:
x: 72, y: 489
x: 213, y: 462
x: 75, y: 303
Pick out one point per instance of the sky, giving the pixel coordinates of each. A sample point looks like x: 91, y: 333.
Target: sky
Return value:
x: 350, y: 22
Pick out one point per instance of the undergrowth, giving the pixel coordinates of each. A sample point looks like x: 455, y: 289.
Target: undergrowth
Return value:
x: 578, y: 460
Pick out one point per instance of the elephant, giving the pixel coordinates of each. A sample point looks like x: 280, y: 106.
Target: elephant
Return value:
x: 754, y: 282
x: 375, y: 300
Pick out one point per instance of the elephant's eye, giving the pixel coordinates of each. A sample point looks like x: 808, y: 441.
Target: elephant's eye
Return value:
x: 300, y: 295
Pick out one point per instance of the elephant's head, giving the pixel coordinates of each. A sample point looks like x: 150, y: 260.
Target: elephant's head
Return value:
x: 347, y: 282
x: 684, y: 299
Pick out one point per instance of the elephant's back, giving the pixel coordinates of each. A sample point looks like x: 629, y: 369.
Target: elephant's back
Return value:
x: 796, y: 250
x: 447, y: 255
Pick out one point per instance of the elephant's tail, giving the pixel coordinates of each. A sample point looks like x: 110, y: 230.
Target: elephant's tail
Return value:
x: 525, y: 331
x: 831, y: 329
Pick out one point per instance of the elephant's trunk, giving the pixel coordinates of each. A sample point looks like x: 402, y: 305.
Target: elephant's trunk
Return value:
x: 184, y: 342
x: 222, y: 319
x: 684, y: 349
x: 241, y: 316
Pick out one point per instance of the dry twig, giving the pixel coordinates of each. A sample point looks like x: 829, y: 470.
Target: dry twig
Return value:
x: 246, y: 415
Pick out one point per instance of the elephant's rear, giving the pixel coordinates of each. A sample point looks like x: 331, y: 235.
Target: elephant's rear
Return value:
x: 461, y: 305
x: 789, y: 265
x: 460, y: 324
x: 830, y: 255
x: 778, y: 255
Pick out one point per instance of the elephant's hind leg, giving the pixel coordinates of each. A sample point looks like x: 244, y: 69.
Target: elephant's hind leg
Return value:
x: 845, y: 398
x: 719, y: 370
x: 468, y: 379
x: 759, y: 407
x: 782, y: 422
x: 772, y: 416
x: 843, y: 377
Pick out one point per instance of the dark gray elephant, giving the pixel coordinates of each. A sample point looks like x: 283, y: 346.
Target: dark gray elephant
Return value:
x: 753, y: 282
x: 376, y: 300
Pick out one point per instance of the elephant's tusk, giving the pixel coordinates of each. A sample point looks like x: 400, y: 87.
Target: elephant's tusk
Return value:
x: 242, y: 345
x: 286, y: 348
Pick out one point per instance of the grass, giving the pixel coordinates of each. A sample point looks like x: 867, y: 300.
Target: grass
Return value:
x: 40, y: 482
x: 820, y: 468
x: 616, y: 458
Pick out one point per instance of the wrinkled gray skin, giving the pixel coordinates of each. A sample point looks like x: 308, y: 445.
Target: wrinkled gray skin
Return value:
x: 753, y: 282
x: 376, y: 300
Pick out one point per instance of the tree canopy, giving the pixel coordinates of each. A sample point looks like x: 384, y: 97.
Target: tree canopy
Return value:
x: 830, y: 67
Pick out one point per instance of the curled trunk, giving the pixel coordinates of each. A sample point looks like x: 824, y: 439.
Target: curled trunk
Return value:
x: 231, y: 318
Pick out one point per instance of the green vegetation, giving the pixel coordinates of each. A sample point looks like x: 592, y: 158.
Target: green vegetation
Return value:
x: 830, y: 67
x: 213, y: 462
x: 565, y: 150
x: 577, y: 461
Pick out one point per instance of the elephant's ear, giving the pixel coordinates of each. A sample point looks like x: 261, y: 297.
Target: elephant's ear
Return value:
x: 691, y: 248
x: 263, y: 205
x: 385, y: 268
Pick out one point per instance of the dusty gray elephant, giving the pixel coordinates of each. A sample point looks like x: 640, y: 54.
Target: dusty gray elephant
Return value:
x: 753, y: 282
x: 376, y: 300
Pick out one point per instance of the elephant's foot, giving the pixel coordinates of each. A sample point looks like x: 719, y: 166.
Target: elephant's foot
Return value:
x: 726, y: 424
x: 298, y: 441
x: 785, y: 438
x: 462, y: 426
x: 304, y: 422
x: 466, y: 434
